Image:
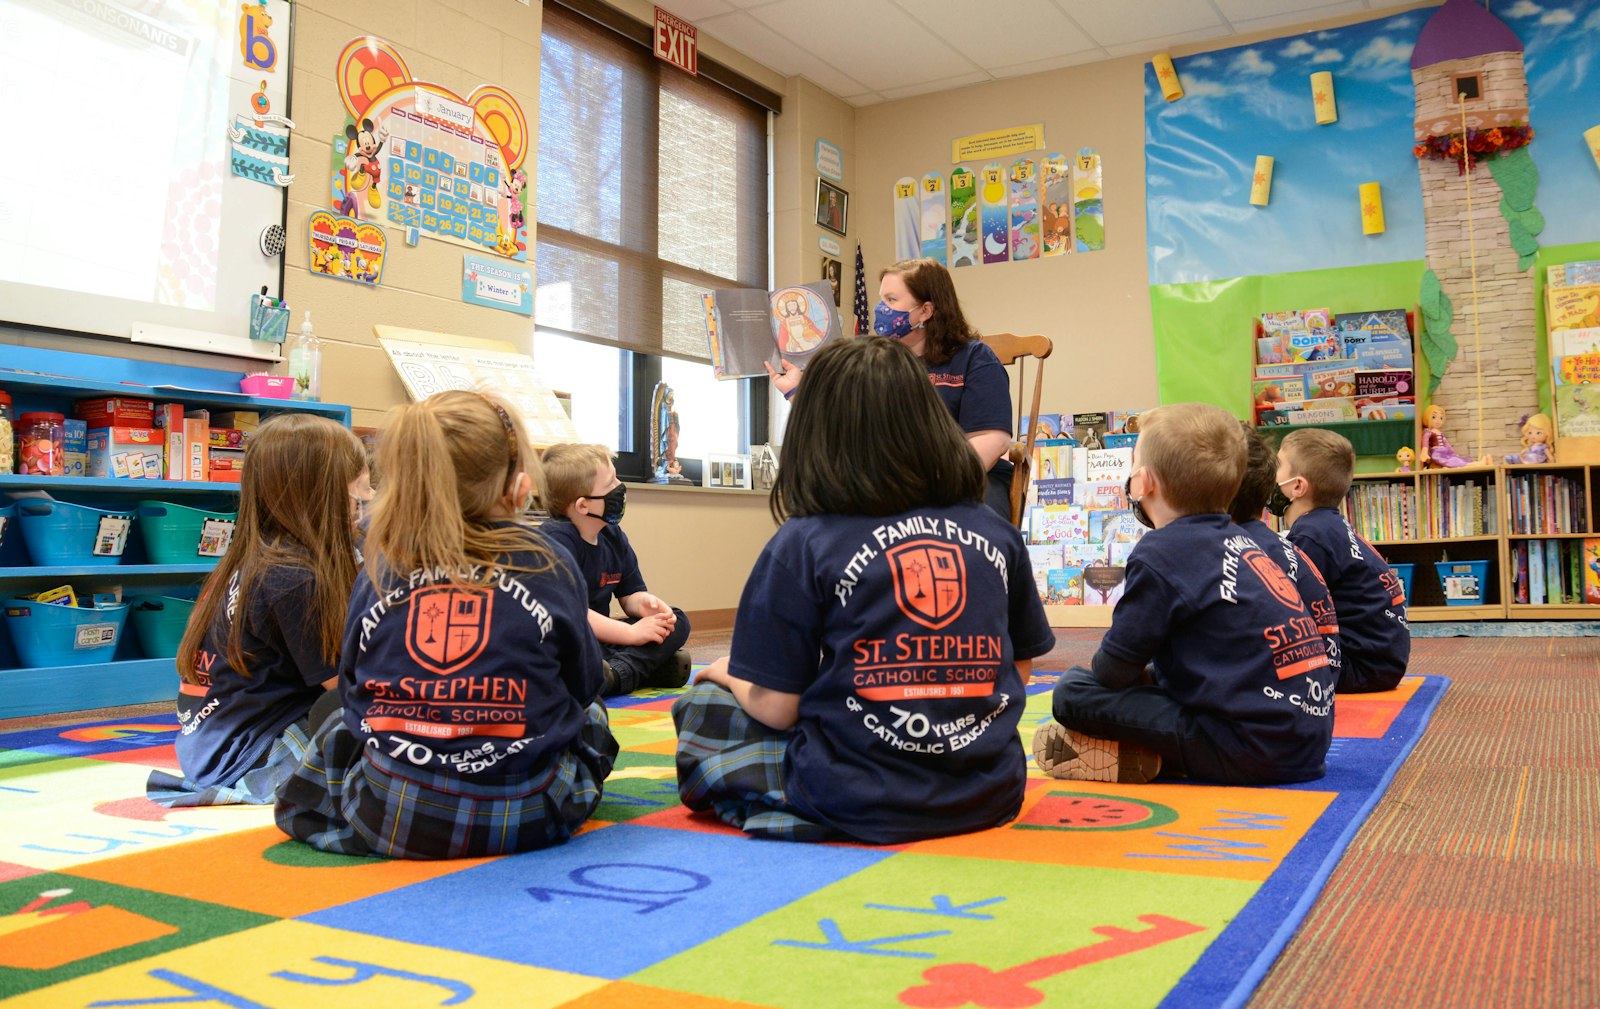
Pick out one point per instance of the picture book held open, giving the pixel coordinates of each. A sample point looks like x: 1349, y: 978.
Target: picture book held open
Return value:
x: 748, y: 328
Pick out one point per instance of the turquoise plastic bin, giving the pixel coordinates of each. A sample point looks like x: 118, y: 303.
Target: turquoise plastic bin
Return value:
x: 1463, y: 581
x: 59, y: 533
x: 12, y: 553
x: 1404, y: 573
x: 46, y: 635
x: 175, y: 534
x: 159, y: 623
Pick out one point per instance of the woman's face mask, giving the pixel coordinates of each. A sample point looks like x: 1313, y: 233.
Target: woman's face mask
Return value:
x: 888, y: 322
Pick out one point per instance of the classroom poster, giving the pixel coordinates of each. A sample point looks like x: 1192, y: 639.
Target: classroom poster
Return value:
x: 417, y: 155
x: 427, y: 368
x: 494, y: 283
x: 345, y: 248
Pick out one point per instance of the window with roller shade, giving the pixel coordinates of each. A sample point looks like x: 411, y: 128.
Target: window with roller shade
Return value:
x: 651, y: 190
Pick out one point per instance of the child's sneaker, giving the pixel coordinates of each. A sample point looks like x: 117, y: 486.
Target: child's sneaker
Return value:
x: 1066, y: 753
x: 672, y: 673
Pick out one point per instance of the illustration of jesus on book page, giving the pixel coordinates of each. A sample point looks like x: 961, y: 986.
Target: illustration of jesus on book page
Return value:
x: 801, y: 325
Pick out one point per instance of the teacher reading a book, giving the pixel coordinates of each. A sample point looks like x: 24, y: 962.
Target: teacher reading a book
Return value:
x: 917, y: 305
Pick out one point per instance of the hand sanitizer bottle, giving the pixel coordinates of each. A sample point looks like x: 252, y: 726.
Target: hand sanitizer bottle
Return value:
x: 305, y: 362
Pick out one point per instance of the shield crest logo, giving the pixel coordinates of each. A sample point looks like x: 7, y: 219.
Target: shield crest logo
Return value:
x: 447, y: 627
x: 930, y: 581
x: 1276, y: 581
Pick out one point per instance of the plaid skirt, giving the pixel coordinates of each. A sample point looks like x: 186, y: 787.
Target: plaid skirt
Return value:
x: 733, y: 765
x: 351, y: 799
x: 259, y: 785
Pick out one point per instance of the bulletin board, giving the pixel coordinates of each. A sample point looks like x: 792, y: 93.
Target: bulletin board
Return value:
x: 146, y: 151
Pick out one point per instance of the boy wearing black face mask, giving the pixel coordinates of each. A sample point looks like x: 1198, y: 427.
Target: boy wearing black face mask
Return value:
x: 1208, y: 665
x: 1314, y: 469
x: 586, y: 502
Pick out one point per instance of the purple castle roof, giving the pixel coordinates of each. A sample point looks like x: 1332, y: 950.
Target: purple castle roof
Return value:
x: 1460, y: 29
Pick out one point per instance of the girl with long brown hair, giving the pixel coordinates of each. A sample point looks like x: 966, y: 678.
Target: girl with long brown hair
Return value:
x: 917, y: 305
x: 470, y: 679
x: 883, y: 639
x: 264, y: 640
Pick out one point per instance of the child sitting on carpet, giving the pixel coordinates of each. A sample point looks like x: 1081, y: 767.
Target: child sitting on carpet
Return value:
x: 470, y: 723
x: 586, y: 502
x: 884, y: 638
x: 1314, y: 469
x: 263, y: 640
x: 1222, y: 624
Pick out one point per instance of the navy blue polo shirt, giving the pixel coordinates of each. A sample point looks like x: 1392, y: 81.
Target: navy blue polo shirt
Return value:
x: 1232, y: 640
x: 1368, y: 594
x: 482, y: 681
x: 608, y: 568
x: 900, y: 635
x: 230, y: 718
x: 974, y: 386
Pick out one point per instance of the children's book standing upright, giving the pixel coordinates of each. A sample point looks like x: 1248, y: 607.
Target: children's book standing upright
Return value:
x: 1591, y: 571
x: 1088, y: 209
x: 1055, y: 184
x: 964, y: 223
x: 747, y: 328
x: 933, y: 217
x: 996, y: 218
x: 907, y: 219
x: 1023, y: 195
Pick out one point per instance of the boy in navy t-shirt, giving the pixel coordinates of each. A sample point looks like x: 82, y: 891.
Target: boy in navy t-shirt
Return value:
x: 1314, y: 469
x: 586, y: 502
x: 1212, y: 659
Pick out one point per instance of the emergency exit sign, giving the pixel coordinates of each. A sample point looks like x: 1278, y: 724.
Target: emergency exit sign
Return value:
x: 675, y: 42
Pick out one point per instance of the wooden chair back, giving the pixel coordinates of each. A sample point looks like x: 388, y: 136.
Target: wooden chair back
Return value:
x: 1010, y: 349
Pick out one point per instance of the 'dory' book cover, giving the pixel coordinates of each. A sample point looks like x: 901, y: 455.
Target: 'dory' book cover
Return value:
x: 748, y: 329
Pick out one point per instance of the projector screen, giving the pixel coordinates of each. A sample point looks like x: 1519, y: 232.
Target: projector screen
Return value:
x: 121, y: 197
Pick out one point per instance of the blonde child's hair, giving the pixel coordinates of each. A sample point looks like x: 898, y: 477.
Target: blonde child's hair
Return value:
x: 1539, y: 422
x: 1325, y: 459
x: 294, y: 511
x: 569, y: 472
x: 449, y: 463
x: 1197, y: 453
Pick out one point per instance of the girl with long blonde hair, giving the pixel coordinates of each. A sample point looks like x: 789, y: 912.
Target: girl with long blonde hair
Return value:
x: 470, y: 679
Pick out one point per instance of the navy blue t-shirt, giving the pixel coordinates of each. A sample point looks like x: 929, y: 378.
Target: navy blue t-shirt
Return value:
x: 1232, y: 640
x: 230, y: 720
x: 974, y: 386
x: 483, y: 681
x: 608, y: 568
x: 900, y: 635
x: 1367, y: 593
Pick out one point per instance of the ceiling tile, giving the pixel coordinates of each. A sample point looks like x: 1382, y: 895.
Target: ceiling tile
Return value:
x: 1257, y: 24
x: 1249, y: 10
x: 1129, y: 21
x: 693, y: 10
x: 749, y: 36
x: 1052, y: 63
x: 1160, y: 42
x: 943, y: 84
x: 881, y: 45
x: 1029, y: 29
x: 861, y: 101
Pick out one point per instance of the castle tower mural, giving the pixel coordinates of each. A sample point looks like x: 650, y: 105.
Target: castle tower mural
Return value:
x: 1464, y: 48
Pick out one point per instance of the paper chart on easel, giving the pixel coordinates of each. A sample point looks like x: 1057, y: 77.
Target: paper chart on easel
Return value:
x: 428, y: 368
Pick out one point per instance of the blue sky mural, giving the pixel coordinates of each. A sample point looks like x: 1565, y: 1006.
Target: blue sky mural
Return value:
x: 1200, y: 151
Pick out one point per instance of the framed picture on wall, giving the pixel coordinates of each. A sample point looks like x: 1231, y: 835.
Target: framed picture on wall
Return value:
x: 833, y: 207
x: 833, y: 273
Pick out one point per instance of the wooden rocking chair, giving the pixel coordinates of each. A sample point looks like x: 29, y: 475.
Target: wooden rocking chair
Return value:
x: 1010, y: 349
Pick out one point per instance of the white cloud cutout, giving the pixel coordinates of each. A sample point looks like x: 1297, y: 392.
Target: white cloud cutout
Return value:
x: 1327, y: 56
x: 1523, y: 9
x: 1200, y: 61
x: 1299, y: 47
x: 1592, y: 22
x: 1382, y: 50
x: 1200, y: 87
x: 1558, y: 17
x: 1324, y: 36
x: 1250, y: 62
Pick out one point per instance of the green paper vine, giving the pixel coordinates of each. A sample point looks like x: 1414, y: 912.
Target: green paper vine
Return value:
x: 1518, y: 178
x: 1438, y: 343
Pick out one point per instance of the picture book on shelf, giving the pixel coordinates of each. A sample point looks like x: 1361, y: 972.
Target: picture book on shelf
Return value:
x: 1577, y: 394
x: 1573, y: 274
x: 1331, y: 383
x: 1571, y: 342
x: 1064, y: 587
x: 1572, y: 307
x: 1088, y: 429
x: 1082, y: 555
x: 1377, y: 339
x: 747, y: 328
x: 1102, y: 585
x: 1114, y: 527
x: 1059, y: 524
x: 1047, y: 426
x: 1043, y: 558
x: 1591, y: 571
x: 1305, y: 335
x: 1053, y: 492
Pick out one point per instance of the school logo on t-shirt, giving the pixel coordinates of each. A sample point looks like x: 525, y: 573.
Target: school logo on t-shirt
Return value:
x: 447, y: 626
x: 930, y: 581
x: 1276, y: 581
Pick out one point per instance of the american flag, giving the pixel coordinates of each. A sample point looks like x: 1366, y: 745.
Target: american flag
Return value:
x: 859, y: 306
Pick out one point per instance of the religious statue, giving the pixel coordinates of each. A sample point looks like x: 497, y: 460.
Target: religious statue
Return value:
x: 664, y: 465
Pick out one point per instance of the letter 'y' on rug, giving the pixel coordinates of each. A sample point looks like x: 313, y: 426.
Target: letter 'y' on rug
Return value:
x: 1172, y: 895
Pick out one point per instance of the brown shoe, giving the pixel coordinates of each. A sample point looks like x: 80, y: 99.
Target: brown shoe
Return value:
x: 1066, y: 753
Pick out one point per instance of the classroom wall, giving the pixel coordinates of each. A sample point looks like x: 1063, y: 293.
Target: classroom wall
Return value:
x: 811, y: 114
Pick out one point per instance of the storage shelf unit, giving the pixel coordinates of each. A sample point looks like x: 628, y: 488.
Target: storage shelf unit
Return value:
x: 40, y: 381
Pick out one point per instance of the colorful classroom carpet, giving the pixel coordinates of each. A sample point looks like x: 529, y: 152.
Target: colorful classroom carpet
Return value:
x: 1097, y: 895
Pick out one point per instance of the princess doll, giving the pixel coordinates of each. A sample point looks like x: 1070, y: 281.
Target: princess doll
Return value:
x: 1538, y: 440
x: 1405, y: 457
x: 1436, y: 452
